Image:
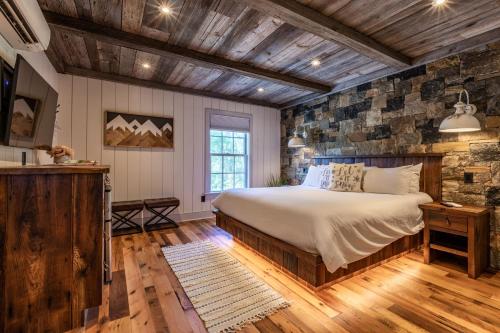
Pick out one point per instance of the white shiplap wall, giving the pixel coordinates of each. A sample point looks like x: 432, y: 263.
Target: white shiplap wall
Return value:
x: 145, y: 172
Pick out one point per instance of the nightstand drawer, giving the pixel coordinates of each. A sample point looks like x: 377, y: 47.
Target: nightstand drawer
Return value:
x: 450, y: 222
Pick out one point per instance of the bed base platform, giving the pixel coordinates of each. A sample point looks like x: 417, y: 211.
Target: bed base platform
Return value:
x: 308, y: 268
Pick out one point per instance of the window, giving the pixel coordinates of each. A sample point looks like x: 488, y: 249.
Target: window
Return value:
x: 227, y: 151
x: 228, y: 160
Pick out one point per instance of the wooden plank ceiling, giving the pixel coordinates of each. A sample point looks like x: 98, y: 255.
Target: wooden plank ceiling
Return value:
x: 234, y: 47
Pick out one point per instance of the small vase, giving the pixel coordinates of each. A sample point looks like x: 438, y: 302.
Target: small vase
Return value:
x: 61, y: 159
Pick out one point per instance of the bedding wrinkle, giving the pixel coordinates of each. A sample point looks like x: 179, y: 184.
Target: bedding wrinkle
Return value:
x: 341, y: 226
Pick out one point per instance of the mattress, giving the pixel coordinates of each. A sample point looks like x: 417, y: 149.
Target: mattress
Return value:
x: 342, y: 227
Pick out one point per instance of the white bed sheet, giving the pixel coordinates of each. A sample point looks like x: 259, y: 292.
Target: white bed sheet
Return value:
x: 341, y: 226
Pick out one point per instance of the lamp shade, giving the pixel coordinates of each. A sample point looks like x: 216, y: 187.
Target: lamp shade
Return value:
x: 296, y: 142
x: 463, y: 119
x: 460, y: 123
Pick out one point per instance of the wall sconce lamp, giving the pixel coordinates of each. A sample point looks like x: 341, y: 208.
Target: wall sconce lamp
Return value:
x: 297, y: 141
x: 463, y: 119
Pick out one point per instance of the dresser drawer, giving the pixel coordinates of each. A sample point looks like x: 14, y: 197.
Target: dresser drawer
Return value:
x: 451, y: 222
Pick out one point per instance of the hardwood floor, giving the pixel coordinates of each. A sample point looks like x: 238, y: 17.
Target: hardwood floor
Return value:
x: 403, y: 295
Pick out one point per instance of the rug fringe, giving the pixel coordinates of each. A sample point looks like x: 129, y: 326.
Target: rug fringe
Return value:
x: 246, y: 322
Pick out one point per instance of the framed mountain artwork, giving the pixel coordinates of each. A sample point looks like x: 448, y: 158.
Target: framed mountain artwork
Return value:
x: 132, y: 130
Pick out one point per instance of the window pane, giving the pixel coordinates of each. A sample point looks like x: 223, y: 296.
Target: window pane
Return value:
x: 215, y: 133
x: 239, y: 134
x: 239, y: 164
x: 227, y: 134
x: 216, y: 164
x: 215, y: 145
x: 227, y: 145
x: 216, y: 183
x: 228, y: 181
x: 239, y: 180
x: 228, y: 164
x: 239, y: 146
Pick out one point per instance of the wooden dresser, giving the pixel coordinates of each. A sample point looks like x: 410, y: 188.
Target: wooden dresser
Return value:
x: 51, y: 245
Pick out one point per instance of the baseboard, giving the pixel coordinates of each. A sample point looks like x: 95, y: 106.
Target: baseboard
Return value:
x: 192, y: 216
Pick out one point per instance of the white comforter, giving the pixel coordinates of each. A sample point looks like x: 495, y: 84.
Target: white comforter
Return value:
x: 341, y: 226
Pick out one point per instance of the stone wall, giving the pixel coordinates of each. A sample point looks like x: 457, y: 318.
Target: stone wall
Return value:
x: 401, y: 114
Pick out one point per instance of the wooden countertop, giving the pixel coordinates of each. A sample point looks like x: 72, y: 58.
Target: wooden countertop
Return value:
x: 54, y: 169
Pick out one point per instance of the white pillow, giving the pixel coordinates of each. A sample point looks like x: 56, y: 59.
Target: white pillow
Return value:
x: 386, y: 180
x: 413, y: 172
x: 313, y: 176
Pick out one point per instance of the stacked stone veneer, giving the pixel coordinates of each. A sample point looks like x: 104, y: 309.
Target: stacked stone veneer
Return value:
x: 401, y: 114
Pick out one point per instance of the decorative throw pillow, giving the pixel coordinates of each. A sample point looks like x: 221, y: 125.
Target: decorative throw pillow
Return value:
x: 347, y: 177
x: 313, y: 176
x: 325, y: 176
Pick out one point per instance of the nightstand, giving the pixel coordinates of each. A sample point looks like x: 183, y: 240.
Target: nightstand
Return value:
x: 459, y: 231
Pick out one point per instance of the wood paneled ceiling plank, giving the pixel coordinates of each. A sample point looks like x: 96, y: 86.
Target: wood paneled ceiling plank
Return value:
x: 465, y: 29
x: 192, y: 17
x: 427, y: 19
x: 158, y: 85
x: 132, y: 12
x: 330, y: 29
x: 124, y: 39
x: 462, y: 46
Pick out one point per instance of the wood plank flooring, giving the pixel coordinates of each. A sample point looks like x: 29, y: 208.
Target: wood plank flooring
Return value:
x: 403, y: 295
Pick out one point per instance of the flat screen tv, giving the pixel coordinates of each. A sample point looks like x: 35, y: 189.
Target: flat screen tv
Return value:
x: 32, y: 111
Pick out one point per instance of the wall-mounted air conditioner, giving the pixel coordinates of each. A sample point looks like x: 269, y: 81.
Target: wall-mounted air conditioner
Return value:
x: 23, y: 26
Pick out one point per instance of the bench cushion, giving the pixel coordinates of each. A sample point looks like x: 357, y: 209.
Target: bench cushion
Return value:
x: 120, y: 206
x: 161, y: 202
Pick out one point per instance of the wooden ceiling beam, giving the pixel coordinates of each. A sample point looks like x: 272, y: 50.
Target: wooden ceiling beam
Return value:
x: 137, y: 42
x: 159, y: 85
x: 306, y: 18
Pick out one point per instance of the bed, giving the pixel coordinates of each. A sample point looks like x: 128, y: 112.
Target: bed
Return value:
x: 320, y: 237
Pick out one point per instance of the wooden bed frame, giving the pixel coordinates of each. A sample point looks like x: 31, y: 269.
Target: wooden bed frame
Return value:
x: 309, y: 268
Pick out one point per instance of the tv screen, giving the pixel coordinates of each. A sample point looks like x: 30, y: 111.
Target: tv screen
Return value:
x: 32, y: 112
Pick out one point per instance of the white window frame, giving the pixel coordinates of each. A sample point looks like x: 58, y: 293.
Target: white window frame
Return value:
x: 208, y: 113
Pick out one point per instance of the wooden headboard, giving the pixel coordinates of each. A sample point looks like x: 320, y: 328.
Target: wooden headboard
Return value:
x: 430, y: 177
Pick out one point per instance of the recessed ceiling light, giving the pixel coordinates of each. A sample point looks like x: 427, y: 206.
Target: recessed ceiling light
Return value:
x: 165, y: 9
x: 146, y: 65
x: 260, y: 89
x: 438, y: 3
x: 315, y: 62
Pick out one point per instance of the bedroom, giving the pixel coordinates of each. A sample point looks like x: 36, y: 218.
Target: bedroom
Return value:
x: 254, y: 166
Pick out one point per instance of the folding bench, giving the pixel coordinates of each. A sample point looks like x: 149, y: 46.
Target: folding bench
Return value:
x: 160, y: 209
x: 123, y: 212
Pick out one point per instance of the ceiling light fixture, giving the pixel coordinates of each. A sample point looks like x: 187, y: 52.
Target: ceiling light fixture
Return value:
x: 438, y: 3
x: 315, y: 63
x: 260, y: 89
x: 463, y: 119
x: 146, y: 65
x: 165, y: 9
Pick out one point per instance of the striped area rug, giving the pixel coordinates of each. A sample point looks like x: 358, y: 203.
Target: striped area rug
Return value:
x: 225, y: 294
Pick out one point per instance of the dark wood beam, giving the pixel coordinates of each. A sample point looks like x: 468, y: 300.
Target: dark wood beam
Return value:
x: 159, y: 85
x: 306, y: 18
x: 136, y: 42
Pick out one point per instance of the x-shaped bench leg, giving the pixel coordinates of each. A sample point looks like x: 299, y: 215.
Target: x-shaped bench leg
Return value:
x: 160, y: 218
x: 126, y: 219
